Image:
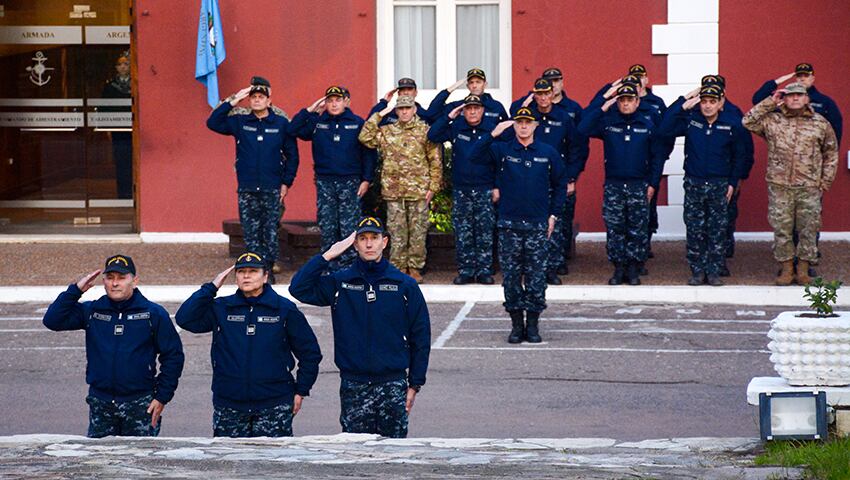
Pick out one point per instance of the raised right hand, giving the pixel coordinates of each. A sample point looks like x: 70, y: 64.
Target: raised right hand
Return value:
x: 389, y: 95
x: 218, y: 281
x: 785, y: 78
x: 240, y: 95
x: 87, y: 281
x: 456, y: 111
x: 339, y: 247
x: 456, y: 85
x: 501, y: 127
x: 316, y: 105
x: 607, y: 105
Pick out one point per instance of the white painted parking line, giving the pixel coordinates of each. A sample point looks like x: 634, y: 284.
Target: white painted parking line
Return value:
x: 453, y: 325
x: 627, y: 331
x: 622, y: 320
x: 591, y: 349
x: 6, y: 349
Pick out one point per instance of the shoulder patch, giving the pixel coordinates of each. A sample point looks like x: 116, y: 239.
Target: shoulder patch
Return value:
x: 279, y: 111
x: 238, y: 111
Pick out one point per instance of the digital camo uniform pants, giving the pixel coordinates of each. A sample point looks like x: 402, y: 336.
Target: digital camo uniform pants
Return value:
x: 374, y: 408
x: 259, y: 214
x: 474, y: 223
x: 522, y: 257
x: 558, y: 245
x: 790, y: 206
x: 731, y: 219
x: 407, y: 224
x: 126, y: 419
x: 338, y: 210
x: 267, y: 422
x: 705, y: 218
x: 625, y: 210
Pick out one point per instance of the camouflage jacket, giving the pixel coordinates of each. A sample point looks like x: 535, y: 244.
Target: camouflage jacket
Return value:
x: 802, y: 150
x: 411, y: 163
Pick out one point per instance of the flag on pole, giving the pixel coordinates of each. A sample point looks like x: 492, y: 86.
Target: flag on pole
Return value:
x: 210, y: 51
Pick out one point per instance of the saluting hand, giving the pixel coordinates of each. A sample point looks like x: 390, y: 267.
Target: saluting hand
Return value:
x: 456, y: 85
x: 528, y: 100
x: 501, y: 127
x: 87, y: 281
x: 218, y: 281
x: 317, y: 104
x: 785, y: 78
x: 240, y: 95
x: 339, y: 247
x: 389, y: 95
x: 456, y: 111
x: 690, y: 103
x: 607, y: 105
x: 387, y: 110
x: 778, y: 96
x: 693, y: 93
x: 612, y: 91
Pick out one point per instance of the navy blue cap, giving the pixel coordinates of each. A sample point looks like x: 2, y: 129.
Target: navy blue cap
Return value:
x: 406, y: 82
x: 524, y: 113
x: 335, y: 91
x: 805, y: 68
x: 476, y: 72
x: 552, y: 73
x: 627, y: 90
x: 250, y: 259
x: 637, y: 69
x: 261, y: 85
x: 472, y: 99
x: 370, y: 224
x: 542, y: 85
x: 120, y: 264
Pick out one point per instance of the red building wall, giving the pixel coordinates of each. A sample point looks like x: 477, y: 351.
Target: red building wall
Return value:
x: 187, y: 181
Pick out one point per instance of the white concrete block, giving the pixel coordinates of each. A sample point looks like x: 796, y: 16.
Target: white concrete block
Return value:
x: 676, y: 163
x: 670, y: 219
x: 693, y: 11
x: 835, y: 396
x: 669, y: 93
x: 689, y: 68
x: 685, y: 38
x: 675, y: 190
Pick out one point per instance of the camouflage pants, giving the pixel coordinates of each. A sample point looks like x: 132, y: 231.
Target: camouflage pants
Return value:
x: 374, y: 408
x: 705, y: 218
x: 267, y: 422
x: 259, y: 214
x: 338, y: 210
x: 474, y: 222
x: 558, y: 245
x: 522, y: 256
x: 625, y: 210
x: 407, y: 224
x: 790, y: 208
x: 731, y: 219
x: 126, y: 419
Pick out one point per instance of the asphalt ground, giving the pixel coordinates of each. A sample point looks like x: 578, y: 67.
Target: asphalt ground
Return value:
x: 628, y: 372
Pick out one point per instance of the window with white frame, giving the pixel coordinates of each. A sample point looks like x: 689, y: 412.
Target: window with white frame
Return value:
x: 436, y: 41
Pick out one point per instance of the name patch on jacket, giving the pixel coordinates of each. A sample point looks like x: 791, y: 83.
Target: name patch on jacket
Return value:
x: 541, y: 159
x: 139, y: 316
x: 250, y: 129
x: 724, y: 127
x: 388, y: 288
x: 816, y: 105
x: 696, y: 124
x: 491, y: 114
x: 236, y: 318
x: 463, y: 137
x: 323, y: 126
x: 615, y: 129
x: 272, y: 130
x: 101, y: 316
x: 640, y: 130
x: 268, y: 319
x: 351, y: 286
x: 513, y: 159
x: 350, y: 127
x: 556, y: 124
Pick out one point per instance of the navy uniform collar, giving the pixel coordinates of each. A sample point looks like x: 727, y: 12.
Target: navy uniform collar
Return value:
x: 519, y: 147
x: 268, y: 298
x: 346, y: 114
x: 354, y: 272
x: 137, y: 300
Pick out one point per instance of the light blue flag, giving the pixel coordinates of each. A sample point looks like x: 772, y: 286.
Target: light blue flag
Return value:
x: 210, y: 51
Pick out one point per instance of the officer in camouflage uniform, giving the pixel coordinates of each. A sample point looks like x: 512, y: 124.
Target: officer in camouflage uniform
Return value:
x: 634, y: 161
x: 473, y: 196
x: 257, y: 336
x: 410, y: 177
x: 126, y: 334
x: 532, y: 181
x: 382, y: 331
x: 714, y: 163
x: 266, y: 163
x: 802, y: 159
x: 344, y: 167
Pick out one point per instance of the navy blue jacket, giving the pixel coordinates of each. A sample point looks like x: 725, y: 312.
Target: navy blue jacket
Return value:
x: 380, y: 341
x: 336, y: 151
x: 820, y: 102
x: 466, y: 174
x: 494, y: 112
x: 266, y: 154
x: 532, y: 180
x: 746, y: 138
x: 557, y: 129
x: 712, y: 151
x: 123, y: 342
x: 649, y: 108
x: 654, y: 100
x: 571, y: 106
x: 254, y: 341
x: 634, y: 151
x: 392, y: 117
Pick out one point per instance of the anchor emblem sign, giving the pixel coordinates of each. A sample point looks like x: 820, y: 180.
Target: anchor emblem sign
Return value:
x: 38, y: 70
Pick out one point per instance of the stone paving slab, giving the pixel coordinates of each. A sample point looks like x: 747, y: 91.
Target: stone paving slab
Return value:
x: 348, y: 456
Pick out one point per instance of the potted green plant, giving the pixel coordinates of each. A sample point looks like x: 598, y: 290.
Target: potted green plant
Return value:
x: 813, y: 347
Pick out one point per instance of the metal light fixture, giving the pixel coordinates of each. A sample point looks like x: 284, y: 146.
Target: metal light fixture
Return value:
x: 793, y: 415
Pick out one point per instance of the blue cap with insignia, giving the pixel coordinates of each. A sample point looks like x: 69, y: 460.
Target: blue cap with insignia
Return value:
x: 120, y: 264
x: 250, y: 260
x: 524, y: 113
x: 369, y: 224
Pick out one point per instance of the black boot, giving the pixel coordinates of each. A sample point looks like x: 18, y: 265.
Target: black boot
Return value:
x: 724, y: 270
x: 517, y: 326
x: 552, y: 278
x: 532, y: 327
x: 563, y: 270
x: 634, y: 273
x: 617, y: 278
x: 697, y: 278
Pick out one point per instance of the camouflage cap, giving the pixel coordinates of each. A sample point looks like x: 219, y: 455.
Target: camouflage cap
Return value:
x: 796, y: 88
x: 405, y: 101
x: 261, y: 85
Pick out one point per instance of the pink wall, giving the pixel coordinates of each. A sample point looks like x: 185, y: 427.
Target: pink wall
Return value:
x: 187, y: 182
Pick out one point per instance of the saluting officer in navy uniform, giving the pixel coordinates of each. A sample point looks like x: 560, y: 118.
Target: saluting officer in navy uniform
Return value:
x: 473, y: 191
x: 634, y: 160
x: 532, y: 181
x: 714, y: 162
x: 126, y: 335
x: 559, y: 95
x: 476, y: 83
x: 746, y: 139
x: 406, y: 87
x: 257, y: 337
x: 382, y: 331
x: 266, y: 163
x: 344, y: 168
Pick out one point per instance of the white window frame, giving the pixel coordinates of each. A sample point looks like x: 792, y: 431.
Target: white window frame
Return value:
x: 446, y: 48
